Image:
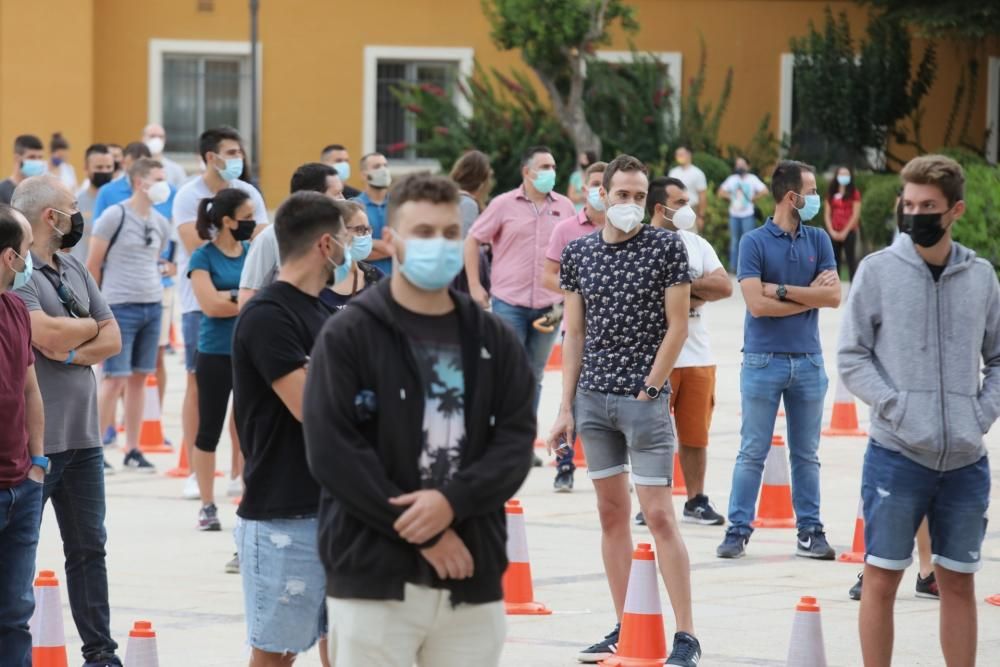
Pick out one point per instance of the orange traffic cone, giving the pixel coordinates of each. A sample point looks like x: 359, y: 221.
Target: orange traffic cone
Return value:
x: 183, y: 469
x: 844, y: 421
x: 775, y: 507
x: 680, y: 486
x: 141, y: 649
x: 555, y: 358
x: 48, y: 639
x: 642, y: 642
x: 518, y: 591
x: 806, y: 647
x: 994, y: 600
x: 857, y: 552
x: 151, y: 439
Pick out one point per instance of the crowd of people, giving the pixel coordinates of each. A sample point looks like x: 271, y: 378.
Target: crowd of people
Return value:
x: 385, y: 348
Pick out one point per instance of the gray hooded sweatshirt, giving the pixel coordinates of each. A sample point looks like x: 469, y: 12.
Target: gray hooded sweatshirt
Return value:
x: 915, y: 350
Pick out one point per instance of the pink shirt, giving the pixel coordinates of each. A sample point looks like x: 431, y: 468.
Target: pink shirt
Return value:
x: 519, y: 233
x: 568, y: 230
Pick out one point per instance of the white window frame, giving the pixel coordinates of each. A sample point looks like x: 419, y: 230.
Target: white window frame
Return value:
x: 787, y: 74
x: 993, y: 110
x: 158, y: 48
x: 674, y: 60
x: 462, y: 57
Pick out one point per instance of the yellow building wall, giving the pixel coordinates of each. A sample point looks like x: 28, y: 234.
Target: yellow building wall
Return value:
x: 46, y: 74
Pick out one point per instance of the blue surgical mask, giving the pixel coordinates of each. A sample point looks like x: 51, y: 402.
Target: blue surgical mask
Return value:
x: 545, y: 181
x: 843, y: 180
x: 234, y: 167
x: 432, y: 264
x: 594, y: 199
x: 341, y: 271
x: 31, y: 168
x: 811, y: 208
x: 361, y: 247
x: 21, y: 279
x: 343, y: 170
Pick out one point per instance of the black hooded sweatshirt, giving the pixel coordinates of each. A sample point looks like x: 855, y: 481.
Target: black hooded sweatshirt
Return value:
x: 363, y: 421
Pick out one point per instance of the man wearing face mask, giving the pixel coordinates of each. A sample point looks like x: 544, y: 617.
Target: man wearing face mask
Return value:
x: 742, y: 189
x: 337, y: 157
x: 100, y: 168
x: 692, y: 381
x: 518, y: 224
x: 418, y: 432
x: 72, y: 328
x: 22, y: 464
x: 627, y: 301
x: 155, y: 138
x: 920, y: 343
x: 694, y: 179
x: 125, y: 261
x: 29, y: 160
x: 375, y: 172
x: 787, y: 272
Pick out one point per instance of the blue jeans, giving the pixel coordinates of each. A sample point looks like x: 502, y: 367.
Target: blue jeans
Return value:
x: 20, y: 515
x: 190, y: 326
x: 765, y: 380
x: 737, y: 228
x: 76, y: 488
x: 140, y: 328
x: 538, y: 345
x: 897, y: 493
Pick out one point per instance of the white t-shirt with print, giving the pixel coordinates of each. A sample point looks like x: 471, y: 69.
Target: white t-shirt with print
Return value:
x: 742, y: 190
x: 702, y: 260
x: 694, y: 179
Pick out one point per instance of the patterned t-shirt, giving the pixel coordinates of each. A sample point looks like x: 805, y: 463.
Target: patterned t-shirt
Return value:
x: 622, y: 285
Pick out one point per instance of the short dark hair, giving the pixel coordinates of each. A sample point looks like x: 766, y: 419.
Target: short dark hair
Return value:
x: 112, y: 144
x: 684, y: 146
x: 331, y: 147
x: 27, y: 142
x: 96, y: 149
x: 532, y: 152
x: 211, y: 210
x: 209, y: 140
x: 364, y: 158
x: 136, y: 150
x: 595, y: 168
x: 311, y: 176
x: 939, y: 170
x: 420, y: 187
x: 787, y: 178
x: 658, y: 191
x: 58, y: 142
x: 303, y: 218
x: 624, y: 163
x: 471, y: 170
x: 11, y: 231
x: 141, y: 168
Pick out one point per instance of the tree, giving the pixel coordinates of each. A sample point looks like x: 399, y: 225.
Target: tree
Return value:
x: 968, y: 19
x: 555, y: 38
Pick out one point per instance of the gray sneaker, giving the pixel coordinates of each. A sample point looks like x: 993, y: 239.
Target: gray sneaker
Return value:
x: 812, y: 543
x: 733, y: 546
x: 208, y: 518
x: 233, y: 566
x: 698, y: 510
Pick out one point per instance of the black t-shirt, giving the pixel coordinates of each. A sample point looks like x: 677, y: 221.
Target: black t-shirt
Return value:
x: 336, y: 302
x: 350, y: 193
x: 936, y: 270
x: 6, y: 190
x: 274, y: 335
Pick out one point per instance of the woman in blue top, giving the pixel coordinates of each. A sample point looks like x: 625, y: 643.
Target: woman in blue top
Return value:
x: 214, y: 269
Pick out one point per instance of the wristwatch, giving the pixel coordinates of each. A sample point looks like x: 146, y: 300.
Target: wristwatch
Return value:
x: 652, y: 392
x: 42, y: 462
x: 781, y: 292
x: 234, y: 295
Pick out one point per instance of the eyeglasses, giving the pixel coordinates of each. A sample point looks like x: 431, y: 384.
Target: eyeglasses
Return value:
x: 360, y: 230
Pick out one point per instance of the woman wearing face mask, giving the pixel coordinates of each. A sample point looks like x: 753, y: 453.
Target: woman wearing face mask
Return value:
x: 843, y: 217
x: 474, y: 177
x: 59, y: 165
x: 214, y: 269
x: 357, y: 275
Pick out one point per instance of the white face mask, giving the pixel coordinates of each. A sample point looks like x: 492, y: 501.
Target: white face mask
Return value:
x: 380, y: 178
x: 684, y: 217
x: 158, y: 192
x: 625, y: 217
x: 155, y: 145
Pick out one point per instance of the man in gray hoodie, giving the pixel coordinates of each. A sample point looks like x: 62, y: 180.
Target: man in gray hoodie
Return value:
x: 922, y: 323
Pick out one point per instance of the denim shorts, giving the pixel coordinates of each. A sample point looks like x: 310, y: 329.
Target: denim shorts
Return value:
x: 284, y: 584
x: 140, y: 328
x: 618, y: 430
x: 190, y: 325
x: 897, y: 493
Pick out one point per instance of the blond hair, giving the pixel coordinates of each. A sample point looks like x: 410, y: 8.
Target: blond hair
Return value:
x: 939, y: 170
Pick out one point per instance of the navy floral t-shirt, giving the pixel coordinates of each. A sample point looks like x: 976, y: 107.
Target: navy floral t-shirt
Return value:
x: 622, y: 285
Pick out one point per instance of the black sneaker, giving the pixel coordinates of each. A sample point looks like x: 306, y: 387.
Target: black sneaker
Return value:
x: 564, y: 481
x: 687, y: 651
x: 136, y: 462
x: 855, y: 592
x: 812, y: 543
x: 640, y: 520
x: 108, y: 468
x: 537, y: 462
x: 734, y: 546
x: 699, y: 510
x: 927, y: 588
x: 208, y: 518
x: 603, y: 649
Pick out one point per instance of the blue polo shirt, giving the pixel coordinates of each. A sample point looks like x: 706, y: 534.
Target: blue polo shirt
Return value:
x: 377, y: 221
x: 775, y: 256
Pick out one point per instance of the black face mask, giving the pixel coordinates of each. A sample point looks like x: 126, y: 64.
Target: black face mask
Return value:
x: 75, y: 233
x: 101, y: 178
x: 245, y: 230
x: 741, y: 171
x: 924, y: 228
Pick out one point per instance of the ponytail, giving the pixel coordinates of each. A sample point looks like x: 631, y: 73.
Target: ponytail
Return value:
x: 211, y: 210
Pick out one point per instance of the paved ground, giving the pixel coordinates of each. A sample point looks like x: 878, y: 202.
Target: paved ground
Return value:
x: 162, y: 569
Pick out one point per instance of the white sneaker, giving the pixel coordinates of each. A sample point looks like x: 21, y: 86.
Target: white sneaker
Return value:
x: 235, y: 488
x: 191, y: 491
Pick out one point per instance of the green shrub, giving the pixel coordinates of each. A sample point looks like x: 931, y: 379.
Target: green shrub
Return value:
x: 963, y: 156
x: 878, y: 212
x: 979, y: 228
x: 716, y: 169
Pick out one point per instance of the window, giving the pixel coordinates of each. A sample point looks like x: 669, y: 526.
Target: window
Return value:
x: 993, y: 111
x: 672, y: 59
x: 194, y: 86
x: 388, y: 127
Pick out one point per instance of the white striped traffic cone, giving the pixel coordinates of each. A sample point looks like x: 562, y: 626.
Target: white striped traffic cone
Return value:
x: 642, y: 642
x: 844, y: 421
x: 806, y: 647
x: 141, y: 649
x: 48, y: 638
x: 775, y: 507
x: 518, y: 590
x: 151, y: 440
x: 857, y: 552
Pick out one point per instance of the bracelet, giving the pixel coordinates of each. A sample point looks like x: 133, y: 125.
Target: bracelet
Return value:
x: 70, y: 358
